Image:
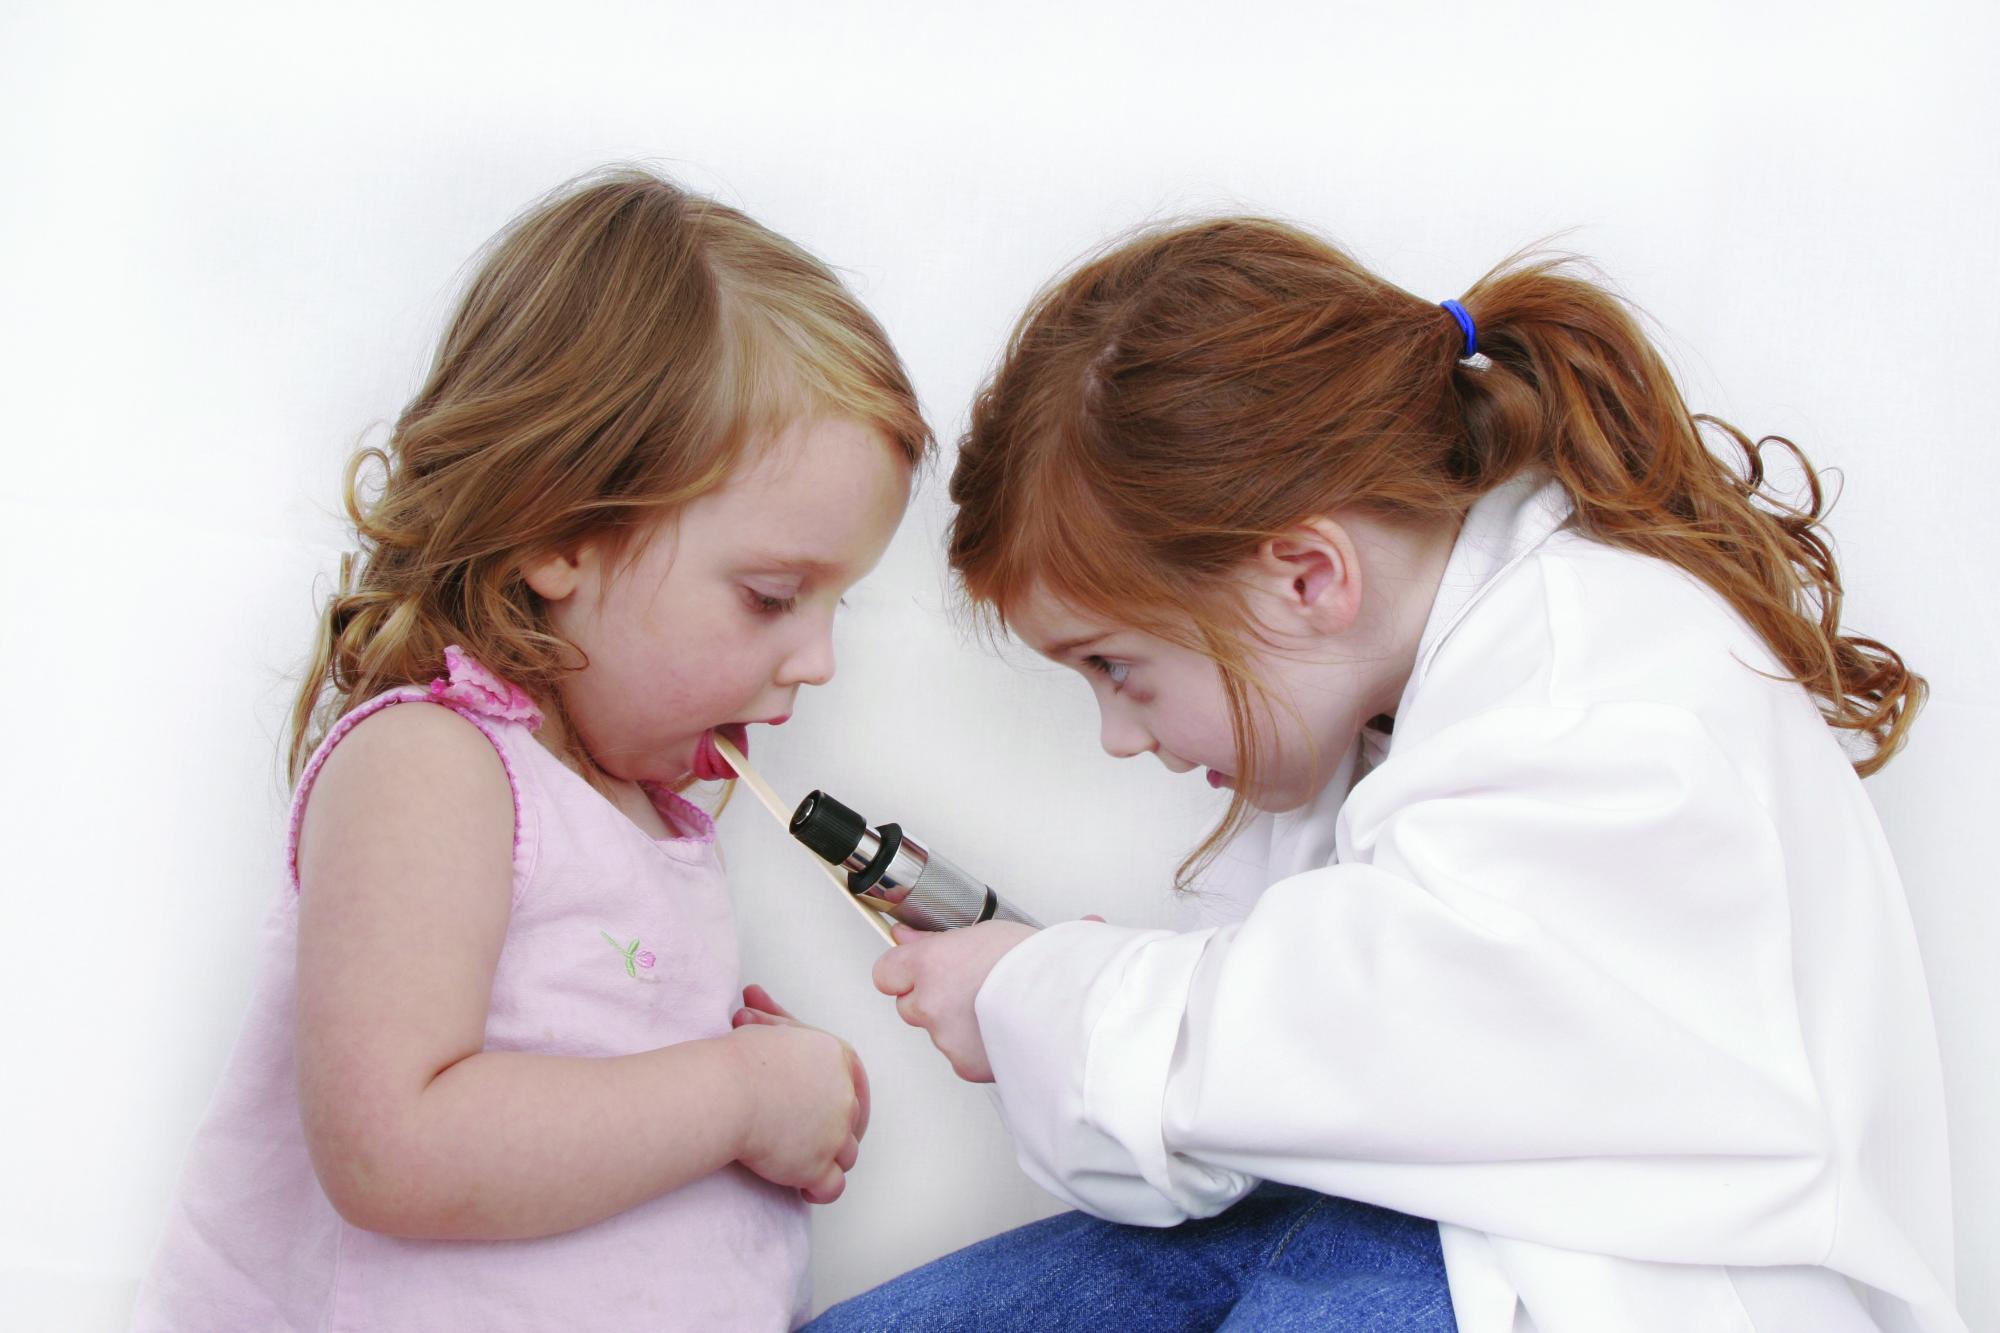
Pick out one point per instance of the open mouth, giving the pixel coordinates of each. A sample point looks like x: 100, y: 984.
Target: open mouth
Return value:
x: 709, y: 765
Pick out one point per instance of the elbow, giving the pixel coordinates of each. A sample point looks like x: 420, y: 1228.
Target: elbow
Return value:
x: 379, y: 1211
x: 366, y: 1199
x: 370, y: 1211
x: 376, y: 1185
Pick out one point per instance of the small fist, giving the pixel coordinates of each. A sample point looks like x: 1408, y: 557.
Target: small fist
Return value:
x: 808, y: 1103
x: 759, y: 1007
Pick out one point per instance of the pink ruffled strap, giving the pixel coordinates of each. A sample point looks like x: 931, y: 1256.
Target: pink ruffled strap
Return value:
x: 475, y: 694
x: 470, y: 685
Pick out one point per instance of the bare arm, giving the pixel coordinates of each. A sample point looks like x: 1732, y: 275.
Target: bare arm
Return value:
x: 405, y: 872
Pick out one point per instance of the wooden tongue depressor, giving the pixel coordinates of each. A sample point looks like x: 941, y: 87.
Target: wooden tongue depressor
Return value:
x: 769, y: 800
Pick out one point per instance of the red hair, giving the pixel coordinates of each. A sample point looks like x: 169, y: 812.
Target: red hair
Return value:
x: 1196, y: 390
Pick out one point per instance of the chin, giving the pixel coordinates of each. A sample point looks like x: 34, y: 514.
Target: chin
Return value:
x: 1278, y: 802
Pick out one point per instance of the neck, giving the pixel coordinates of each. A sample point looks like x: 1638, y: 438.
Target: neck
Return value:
x: 1408, y: 570
x: 554, y: 735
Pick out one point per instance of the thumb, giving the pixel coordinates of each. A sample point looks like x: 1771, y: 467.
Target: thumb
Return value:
x: 892, y: 973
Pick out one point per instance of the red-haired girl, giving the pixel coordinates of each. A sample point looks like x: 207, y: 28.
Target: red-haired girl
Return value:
x: 1563, y: 979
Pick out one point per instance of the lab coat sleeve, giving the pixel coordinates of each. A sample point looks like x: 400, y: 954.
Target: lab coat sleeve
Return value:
x: 1545, y: 993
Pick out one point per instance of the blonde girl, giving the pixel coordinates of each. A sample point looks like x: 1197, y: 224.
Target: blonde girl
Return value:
x: 1563, y: 980
x: 489, y: 1078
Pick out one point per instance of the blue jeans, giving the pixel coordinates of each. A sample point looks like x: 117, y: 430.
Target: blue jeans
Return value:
x: 1281, y: 1259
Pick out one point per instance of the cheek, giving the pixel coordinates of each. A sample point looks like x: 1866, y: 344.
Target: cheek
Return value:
x: 1208, y: 719
x: 652, y: 672
x: 1220, y: 741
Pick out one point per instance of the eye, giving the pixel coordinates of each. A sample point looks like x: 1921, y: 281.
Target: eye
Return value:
x: 1115, y: 671
x: 765, y: 605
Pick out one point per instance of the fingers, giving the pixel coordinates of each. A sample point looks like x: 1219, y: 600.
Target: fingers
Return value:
x: 759, y: 1007
x: 832, y: 1182
x: 756, y: 997
x: 861, y: 1099
x: 828, y: 1187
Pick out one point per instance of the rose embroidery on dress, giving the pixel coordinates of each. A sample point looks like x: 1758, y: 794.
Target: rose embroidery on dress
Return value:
x: 636, y: 960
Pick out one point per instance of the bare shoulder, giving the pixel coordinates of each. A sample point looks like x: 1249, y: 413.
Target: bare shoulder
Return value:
x: 410, y: 771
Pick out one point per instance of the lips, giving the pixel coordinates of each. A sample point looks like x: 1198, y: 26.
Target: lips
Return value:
x: 1216, y: 779
x: 709, y: 765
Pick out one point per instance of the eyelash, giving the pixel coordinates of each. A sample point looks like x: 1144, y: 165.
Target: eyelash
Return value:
x: 773, y: 606
x: 1118, y: 674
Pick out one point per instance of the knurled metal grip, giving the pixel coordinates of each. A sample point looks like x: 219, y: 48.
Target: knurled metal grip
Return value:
x: 945, y: 898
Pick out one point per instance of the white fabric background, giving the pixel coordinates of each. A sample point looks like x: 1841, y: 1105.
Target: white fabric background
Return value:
x: 230, y: 234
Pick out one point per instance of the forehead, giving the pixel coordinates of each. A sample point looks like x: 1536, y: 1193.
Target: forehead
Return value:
x: 1051, y: 626
x: 808, y: 496
x: 820, y: 462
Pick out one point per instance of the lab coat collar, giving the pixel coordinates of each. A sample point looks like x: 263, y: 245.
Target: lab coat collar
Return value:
x: 1502, y: 528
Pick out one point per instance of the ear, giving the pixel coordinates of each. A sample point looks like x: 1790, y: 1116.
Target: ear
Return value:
x: 556, y: 575
x: 1311, y: 576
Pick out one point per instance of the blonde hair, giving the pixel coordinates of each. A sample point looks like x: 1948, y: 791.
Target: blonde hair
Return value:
x: 617, y: 348
x: 1196, y: 390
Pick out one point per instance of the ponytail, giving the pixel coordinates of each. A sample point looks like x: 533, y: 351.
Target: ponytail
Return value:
x: 1574, y: 387
x: 1196, y: 389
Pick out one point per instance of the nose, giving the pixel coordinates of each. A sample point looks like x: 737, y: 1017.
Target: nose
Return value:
x: 811, y: 662
x: 1121, y: 735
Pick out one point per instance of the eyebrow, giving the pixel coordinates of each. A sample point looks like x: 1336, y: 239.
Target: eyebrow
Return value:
x: 1068, y: 646
x: 803, y: 563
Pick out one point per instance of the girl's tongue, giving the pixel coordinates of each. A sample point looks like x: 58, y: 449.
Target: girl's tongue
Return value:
x: 709, y: 765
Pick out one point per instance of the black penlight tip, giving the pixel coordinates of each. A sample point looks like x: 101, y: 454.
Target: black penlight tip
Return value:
x: 829, y: 828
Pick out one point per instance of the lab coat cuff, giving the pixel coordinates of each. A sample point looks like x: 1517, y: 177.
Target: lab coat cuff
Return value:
x: 1080, y: 1024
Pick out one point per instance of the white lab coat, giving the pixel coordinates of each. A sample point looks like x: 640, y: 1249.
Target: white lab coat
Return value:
x: 1604, y: 965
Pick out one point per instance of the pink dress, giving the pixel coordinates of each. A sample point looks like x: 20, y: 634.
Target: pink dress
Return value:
x: 618, y: 943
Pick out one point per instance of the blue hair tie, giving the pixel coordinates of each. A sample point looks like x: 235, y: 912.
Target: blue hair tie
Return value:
x: 1465, y: 324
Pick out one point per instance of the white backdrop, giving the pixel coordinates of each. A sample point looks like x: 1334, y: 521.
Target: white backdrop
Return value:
x: 228, y: 236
